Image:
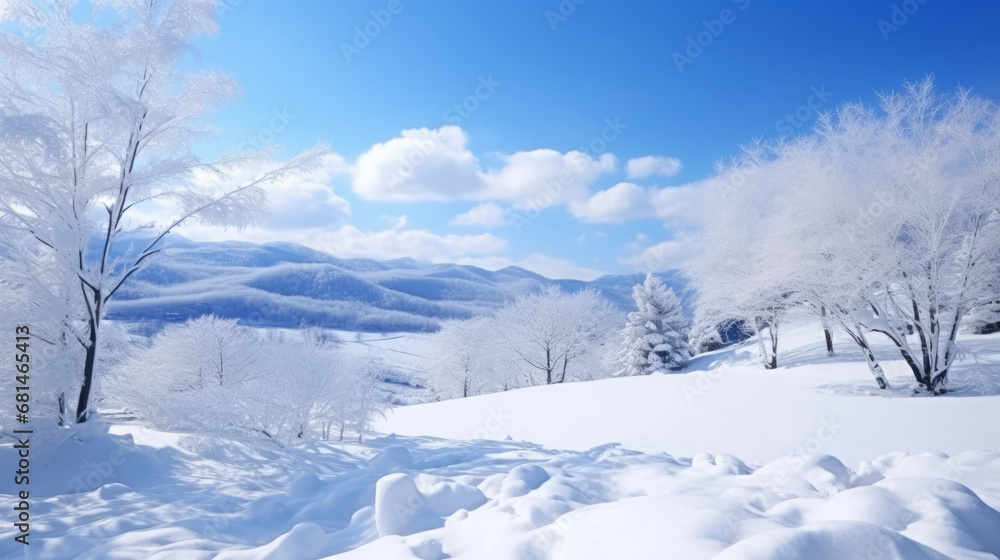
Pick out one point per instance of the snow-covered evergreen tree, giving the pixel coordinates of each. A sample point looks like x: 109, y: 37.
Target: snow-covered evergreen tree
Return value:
x: 656, y: 338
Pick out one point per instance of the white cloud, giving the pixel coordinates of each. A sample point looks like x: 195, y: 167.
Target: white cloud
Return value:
x: 665, y: 255
x: 684, y: 204
x: 620, y: 203
x: 303, y: 202
x: 544, y: 178
x: 487, y: 215
x: 436, y: 164
x: 420, y: 164
x: 676, y: 206
x: 638, y: 168
x: 538, y: 263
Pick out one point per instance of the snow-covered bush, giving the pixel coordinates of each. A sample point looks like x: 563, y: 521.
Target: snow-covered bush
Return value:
x: 203, y: 375
x: 656, y: 336
x: 211, y: 375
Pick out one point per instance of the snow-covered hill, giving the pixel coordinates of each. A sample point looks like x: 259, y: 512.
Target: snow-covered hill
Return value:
x: 288, y: 285
x: 722, y: 461
x: 724, y: 402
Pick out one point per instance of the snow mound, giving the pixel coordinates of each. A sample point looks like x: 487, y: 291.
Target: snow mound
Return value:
x: 432, y: 499
x: 402, y: 509
x: 305, y: 540
x: 85, y: 458
x: 830, y: 541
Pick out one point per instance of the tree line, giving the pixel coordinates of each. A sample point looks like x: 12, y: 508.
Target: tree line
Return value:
x: 885, y: 221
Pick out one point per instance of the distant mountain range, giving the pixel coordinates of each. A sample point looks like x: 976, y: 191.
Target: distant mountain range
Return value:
x: 289, y: 285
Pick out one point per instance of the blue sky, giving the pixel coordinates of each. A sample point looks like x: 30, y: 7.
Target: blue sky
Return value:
x: 551, y: 76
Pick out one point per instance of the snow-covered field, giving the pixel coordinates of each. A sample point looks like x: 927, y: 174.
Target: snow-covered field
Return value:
x: 726, y: 402
x: 725, y: 461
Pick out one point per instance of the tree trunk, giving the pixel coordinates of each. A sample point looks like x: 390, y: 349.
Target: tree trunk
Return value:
x: 773, y: 332
x: 760, y: 343
x: 827, y: 333
x: 923, y: 377
x: 873, y: 364
x: 62, y: 408
x: 82, y: 405
x: 548, y: 366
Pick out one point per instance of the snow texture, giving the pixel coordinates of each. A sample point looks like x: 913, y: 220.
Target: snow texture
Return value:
x: 811, y: 485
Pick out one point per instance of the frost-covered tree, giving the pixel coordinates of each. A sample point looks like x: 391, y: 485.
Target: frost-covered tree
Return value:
x: 97, y: 122
x: 550, y: 333
x: 738, y: 272
x: 657, y: 333
x: 365, y: 400
x: 460, y: 362
x: 934, y: 163
x: 886, y: 217
x: 539, y: 338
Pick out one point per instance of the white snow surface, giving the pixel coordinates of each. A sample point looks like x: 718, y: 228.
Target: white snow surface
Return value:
x: 828, y: 468
x: 725, y: 402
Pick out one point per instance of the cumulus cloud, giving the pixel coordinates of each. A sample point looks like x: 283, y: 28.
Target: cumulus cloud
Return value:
x: 684, y: 204
x: 620, y: 203
x: 436, y: 165
x: 643, y: 255
x: 302, y: 202
x: 420, y: 164
x: 638, y: 168
x: 487, y: 215
x: 676, y: 206
x: 544, y: 178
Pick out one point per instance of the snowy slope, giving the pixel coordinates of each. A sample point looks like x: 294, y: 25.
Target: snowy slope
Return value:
x: 287, y: 285
x: 725, y: 402
x: 806, y: 462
